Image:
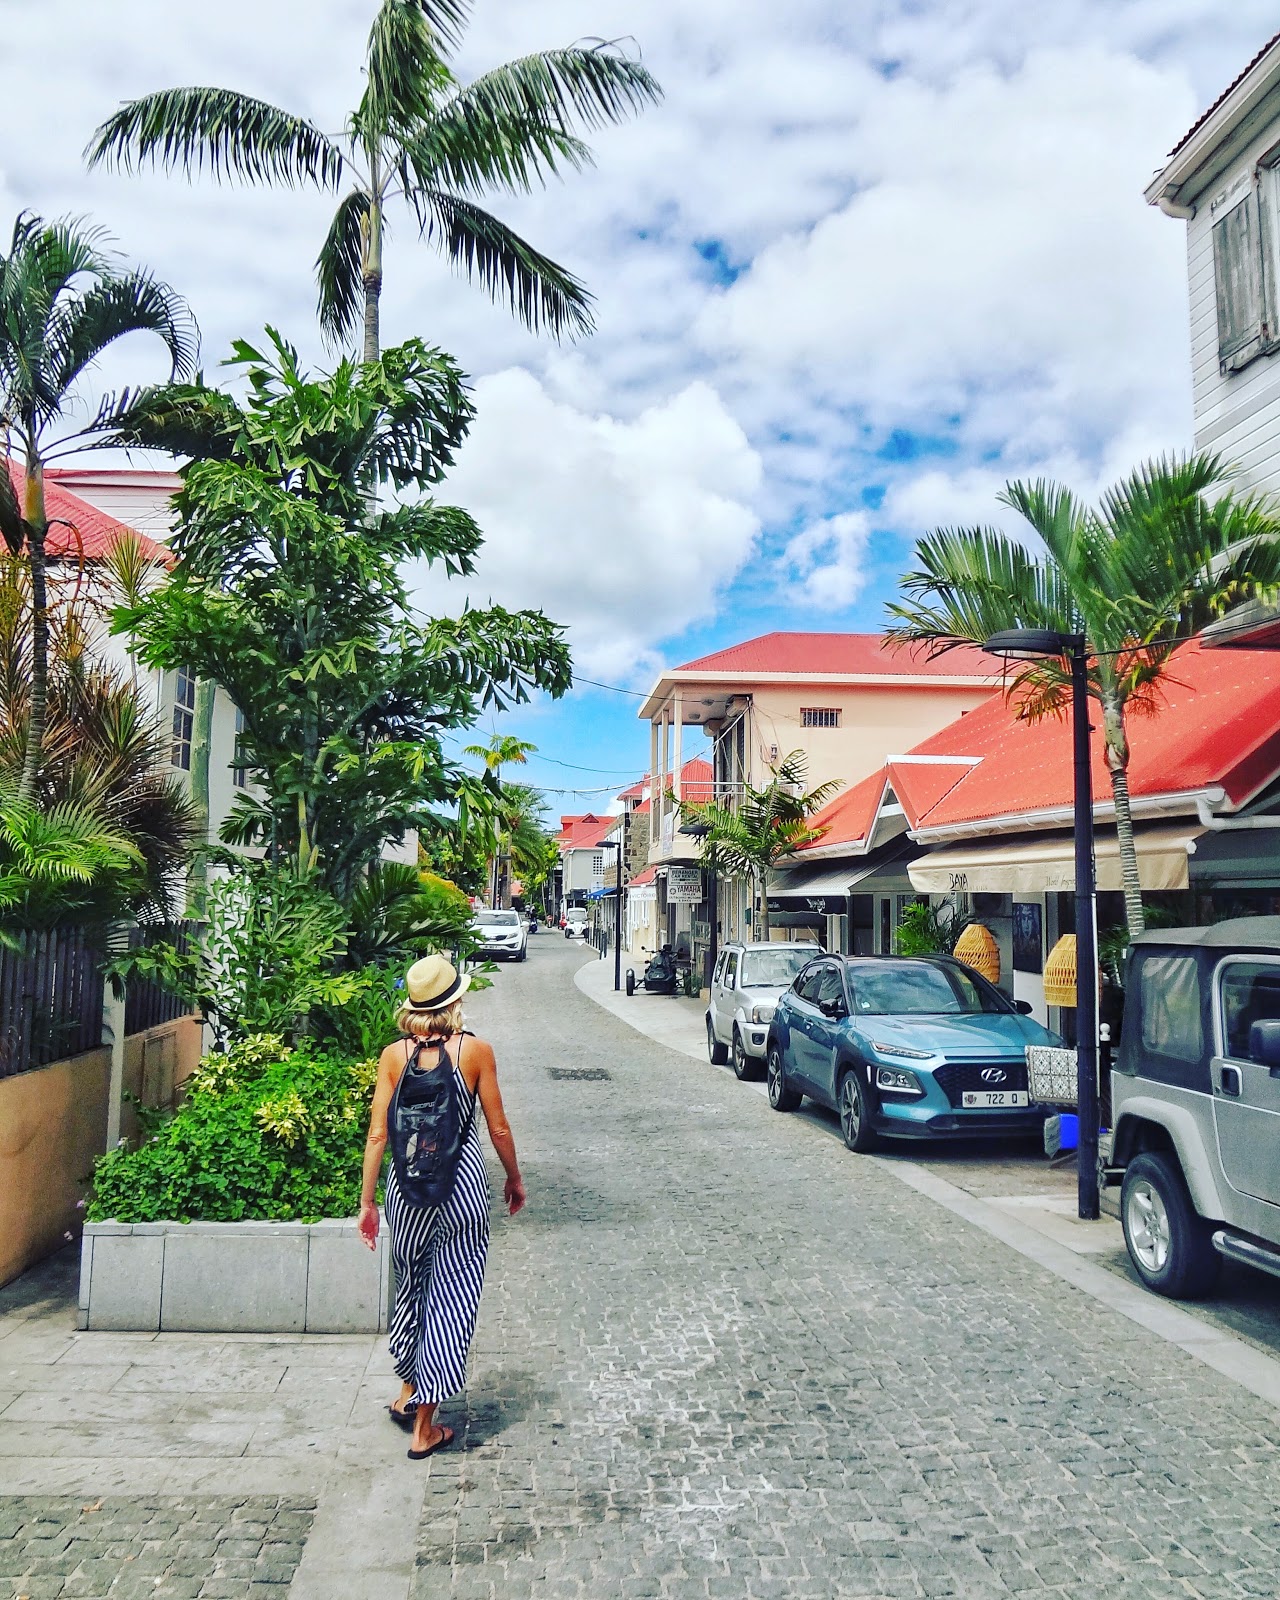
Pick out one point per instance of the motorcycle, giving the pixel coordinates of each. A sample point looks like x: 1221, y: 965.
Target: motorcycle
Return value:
x: 660, y: 975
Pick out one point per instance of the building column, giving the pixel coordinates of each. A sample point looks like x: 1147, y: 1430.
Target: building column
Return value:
x: 677, y: 760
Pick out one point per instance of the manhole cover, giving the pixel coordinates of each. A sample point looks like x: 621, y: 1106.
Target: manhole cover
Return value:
x: 581, y: 1074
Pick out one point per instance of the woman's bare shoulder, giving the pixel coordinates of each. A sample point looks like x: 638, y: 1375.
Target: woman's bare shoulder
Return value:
x: 393, y: 1057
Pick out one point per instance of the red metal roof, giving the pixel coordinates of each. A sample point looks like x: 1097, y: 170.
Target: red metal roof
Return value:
x: 586, y: 832
x: 1217, y: 723
x: 81, y: 529
x: 848, y: 818
x: 1226, y: 94
x: 641, y: 878
x: 841, y: 654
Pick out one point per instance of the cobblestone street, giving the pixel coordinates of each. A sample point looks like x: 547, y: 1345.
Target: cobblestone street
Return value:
x: 717, y: 1356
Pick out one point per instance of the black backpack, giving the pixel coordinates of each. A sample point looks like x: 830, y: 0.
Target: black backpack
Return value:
x: 426, y: 1129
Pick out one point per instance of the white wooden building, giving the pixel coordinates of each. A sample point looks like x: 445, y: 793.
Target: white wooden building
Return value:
x: 1222, y: 179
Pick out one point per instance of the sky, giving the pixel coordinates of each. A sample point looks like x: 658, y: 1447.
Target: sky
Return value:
x: 868, y: 260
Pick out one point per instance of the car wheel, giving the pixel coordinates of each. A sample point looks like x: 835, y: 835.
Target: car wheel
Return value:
x: 744, y: 1066
x: 716, y: 1052
x: 782, y: 1097
x: 631, y: 980
x: 854, y: 1106
x: 1171, y: 1247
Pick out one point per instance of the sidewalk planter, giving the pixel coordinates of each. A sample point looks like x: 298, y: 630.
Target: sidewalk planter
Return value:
x: 233, y: 1277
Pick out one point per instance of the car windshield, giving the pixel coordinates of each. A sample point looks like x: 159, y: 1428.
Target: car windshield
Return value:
x: 497, y: 919
x: 773, y: 969
x: 898, y: 988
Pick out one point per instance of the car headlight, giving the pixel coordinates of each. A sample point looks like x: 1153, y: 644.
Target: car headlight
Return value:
x: 762, y: 1013
x: 901, y: 1050
x: 897, y: 1080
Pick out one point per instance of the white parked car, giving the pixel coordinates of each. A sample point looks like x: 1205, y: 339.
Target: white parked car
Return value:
x: 745, y: 987
x: 503, y: 935
x: 575, y: 922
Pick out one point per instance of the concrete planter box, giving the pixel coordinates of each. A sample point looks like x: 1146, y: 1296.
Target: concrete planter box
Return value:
x: 233, y: 1277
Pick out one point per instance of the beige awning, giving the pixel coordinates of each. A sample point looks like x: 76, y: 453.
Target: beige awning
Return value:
x: 1045, y: 863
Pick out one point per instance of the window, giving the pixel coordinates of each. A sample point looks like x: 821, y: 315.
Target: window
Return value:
x: 819, y: 716
x: 1239, y: 273
x: 772, y: 969
x: 184, y: 717
x: 239, y: 776
x: 731, y: 973
x: 1171, y: 1007
x: 830, y: 987
x: 597, y: 864
x: 1250, y: 992
x: 809, y: 983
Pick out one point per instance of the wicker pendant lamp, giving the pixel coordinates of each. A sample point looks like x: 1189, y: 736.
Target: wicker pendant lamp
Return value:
x: 978, y: 949
x: 1060, y: 972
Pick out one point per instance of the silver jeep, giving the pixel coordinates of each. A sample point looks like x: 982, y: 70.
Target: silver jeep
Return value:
x: 745, y: 987
x: 1196, y: 1104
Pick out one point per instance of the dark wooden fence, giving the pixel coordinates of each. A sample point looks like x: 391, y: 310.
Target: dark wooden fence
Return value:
x: 147, y: 1005
x: 51, y: 996
x: 50, y: 999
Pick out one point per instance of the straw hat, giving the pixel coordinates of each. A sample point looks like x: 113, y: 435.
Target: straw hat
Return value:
x: 434, y: 983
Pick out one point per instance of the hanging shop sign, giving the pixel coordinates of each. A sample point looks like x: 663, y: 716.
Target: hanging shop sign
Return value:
x: 684, y: 886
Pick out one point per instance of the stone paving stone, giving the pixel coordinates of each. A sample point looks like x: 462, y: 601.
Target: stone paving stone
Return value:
x: 120, y: 1548
x: 718, y: 1356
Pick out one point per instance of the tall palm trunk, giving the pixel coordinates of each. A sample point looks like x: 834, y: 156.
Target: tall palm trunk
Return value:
x: 762, y: 879
x: 1117, y: 750
x: 37, y: 528
x: 371, y: 266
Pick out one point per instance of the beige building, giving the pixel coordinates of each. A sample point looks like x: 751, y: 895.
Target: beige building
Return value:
x: 848, y: 701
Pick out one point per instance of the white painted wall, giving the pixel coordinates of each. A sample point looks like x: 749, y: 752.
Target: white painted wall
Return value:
x: 1237, y: 414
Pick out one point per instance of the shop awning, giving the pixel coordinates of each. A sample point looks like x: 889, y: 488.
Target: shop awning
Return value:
x: 825, y: 886
x: 1045, y: 863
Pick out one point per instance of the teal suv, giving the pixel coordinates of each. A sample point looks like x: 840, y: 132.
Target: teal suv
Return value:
x: 909, y: 1047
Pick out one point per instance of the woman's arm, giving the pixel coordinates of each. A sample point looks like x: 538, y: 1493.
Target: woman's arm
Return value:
x: 375, y: 1146
x: 496, y: 1120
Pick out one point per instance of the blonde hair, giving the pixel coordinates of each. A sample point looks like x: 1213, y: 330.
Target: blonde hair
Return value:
x: 440, y: 1024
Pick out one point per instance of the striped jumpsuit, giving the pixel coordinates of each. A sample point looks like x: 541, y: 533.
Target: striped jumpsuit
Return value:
x: 438, y: 1253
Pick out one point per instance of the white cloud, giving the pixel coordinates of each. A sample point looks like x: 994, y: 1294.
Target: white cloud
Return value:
x: 825, y: 561
x: 624, y: 530
x: 997, y: 276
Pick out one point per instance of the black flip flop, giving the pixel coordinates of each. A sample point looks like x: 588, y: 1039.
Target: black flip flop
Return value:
x: 446, y: 1438
x: 402, y: 1419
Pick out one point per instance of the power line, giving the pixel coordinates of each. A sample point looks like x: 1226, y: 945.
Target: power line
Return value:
x: 637, y: 694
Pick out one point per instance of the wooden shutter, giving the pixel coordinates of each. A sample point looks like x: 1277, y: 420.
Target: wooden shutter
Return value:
x: 1238, y: 282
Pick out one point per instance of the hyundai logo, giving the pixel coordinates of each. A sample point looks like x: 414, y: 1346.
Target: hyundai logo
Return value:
x: 994, y: 1074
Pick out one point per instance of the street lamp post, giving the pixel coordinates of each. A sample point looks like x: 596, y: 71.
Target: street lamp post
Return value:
x: 616, y: 844
x: 1031, y: 644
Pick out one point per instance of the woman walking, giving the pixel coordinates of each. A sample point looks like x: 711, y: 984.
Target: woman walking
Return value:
x: 438, y: 1250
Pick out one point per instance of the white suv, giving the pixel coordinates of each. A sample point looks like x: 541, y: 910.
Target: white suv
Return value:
x: 745, y: 986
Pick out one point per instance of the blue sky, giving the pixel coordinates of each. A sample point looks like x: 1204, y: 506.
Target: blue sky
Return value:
x: 869, y: 259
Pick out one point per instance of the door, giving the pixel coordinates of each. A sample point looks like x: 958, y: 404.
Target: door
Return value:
x: 722, y: 997
x: 1246, y: 1092
x: 804, y: 1021
x: 832, y: 1009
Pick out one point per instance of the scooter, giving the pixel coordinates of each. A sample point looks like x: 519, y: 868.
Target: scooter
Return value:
x: 660, y: 975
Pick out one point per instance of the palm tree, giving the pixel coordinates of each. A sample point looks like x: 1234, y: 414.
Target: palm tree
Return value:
x: 1164, y: 552
x: 417, y: 136
x: 502, y: 750
x: 104, y: 769
x: 64, y: 298
x: 765, y: 827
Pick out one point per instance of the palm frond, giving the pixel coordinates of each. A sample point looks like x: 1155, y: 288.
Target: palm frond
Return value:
x: 405, y: 67
x: 540, y: 292
x: 593, y: 83
x: 228, y: 134
x: 973, y: 582
x: 82, y: 327
x: 12, y: 527
x: 471, y: 146
x: 191, y: 421
x: 338, y: 269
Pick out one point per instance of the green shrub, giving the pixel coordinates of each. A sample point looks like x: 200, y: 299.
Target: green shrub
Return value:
x: 266, y: 1132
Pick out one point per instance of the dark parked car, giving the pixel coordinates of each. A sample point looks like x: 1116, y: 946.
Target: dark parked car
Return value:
x: 914, y: 1047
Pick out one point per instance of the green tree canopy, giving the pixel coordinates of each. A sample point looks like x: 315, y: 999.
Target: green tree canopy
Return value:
x: 290, y: 592
x: 1163, y: 553
x: 418, y: 136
